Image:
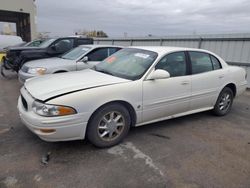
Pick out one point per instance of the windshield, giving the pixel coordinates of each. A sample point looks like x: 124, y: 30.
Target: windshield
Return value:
x: 46, y: 43
x: 128, y: 63
x: 75, y: 53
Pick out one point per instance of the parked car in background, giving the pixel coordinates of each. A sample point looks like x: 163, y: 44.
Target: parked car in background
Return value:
x: 34, y: 43
x: 54, y: 47
x: 133, y: 87
x: 2, y: 55
x: 8, y: 40
x: 79, y: 58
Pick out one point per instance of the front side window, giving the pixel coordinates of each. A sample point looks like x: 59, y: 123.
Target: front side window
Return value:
x: 174, y: 63
x: 129, y: 63
x: 98, y: 54
x: 200, y: 62
x: 64, y: 45
x: 75, y: 53
x: 113, y: 50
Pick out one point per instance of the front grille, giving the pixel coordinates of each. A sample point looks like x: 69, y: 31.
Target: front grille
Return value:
x: 24, y: 102
x: 11, y: 55
x: 25, y: 69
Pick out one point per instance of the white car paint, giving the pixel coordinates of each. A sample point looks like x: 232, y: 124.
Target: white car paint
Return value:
x: 9, y: 40
x: 151, y: 100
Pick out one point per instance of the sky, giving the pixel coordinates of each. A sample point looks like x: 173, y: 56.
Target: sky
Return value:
x: 143, y: 17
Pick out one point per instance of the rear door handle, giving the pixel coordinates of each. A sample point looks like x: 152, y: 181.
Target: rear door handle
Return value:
x: 185, y: 83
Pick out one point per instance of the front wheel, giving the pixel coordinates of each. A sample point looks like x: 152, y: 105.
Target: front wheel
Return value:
x: 109, y: 125
x: 224, y: 102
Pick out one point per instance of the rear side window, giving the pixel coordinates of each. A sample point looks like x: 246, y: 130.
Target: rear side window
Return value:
x: 84, y: 41
x: 200, y: 62
x: 98, y: 54
x: 174, y: 63
x: 216, y: 63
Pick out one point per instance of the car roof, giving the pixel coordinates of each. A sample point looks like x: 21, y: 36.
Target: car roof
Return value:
x: 100, y: 45
x: 166, y: 49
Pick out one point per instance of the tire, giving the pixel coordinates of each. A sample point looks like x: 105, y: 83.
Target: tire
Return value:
x: 109, y: 125
x: 224, y: 102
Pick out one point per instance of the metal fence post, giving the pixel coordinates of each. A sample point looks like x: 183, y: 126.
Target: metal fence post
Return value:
x: 200, y: 42
x: 161, y: 42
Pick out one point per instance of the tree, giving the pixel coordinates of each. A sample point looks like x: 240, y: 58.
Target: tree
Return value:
x: 93, y: 33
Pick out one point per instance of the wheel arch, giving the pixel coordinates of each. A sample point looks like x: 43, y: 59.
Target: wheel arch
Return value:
x: 59, y: 71
x: 232, y: 86
x: 126, y: 104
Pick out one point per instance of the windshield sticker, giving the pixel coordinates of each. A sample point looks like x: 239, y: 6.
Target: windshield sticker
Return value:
x: 141, y: 55
x: 111, y: 59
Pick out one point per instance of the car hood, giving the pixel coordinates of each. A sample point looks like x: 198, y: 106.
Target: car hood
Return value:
x: 50, y: 86
x: 23, y: 48
x: 48, y: 62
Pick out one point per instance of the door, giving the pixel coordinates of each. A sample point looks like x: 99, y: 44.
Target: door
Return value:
x: 166, y: 97
x: 206, y: 78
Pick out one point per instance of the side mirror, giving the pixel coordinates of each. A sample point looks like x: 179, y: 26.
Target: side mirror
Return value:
x: 158, y: 74
x: 85, y: 59
x: 53, y: 47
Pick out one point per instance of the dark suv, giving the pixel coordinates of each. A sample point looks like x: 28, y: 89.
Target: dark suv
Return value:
x: 17, y: 56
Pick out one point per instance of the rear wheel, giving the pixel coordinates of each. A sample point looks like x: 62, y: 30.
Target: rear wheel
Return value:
x: 109, y: 125
x: 224, y: 102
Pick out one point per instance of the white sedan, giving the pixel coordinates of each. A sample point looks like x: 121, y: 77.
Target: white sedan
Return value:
x: 133, y: 87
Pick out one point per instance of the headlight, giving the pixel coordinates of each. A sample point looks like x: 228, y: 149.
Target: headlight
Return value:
x: 49, y: 110
x: 37, y: 70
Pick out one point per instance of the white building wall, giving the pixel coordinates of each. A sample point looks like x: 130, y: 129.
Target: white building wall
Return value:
x: 25, y: 6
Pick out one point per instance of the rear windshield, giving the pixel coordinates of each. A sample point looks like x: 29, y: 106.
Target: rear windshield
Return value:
x: 46, y: 43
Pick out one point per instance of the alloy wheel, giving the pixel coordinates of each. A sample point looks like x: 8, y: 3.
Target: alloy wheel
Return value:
x: 225, y: 102
x: 111, y: 126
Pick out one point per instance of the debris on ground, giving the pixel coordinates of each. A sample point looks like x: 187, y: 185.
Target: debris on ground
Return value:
x: 10, y: 181
x: 5, y: 130
x: 160, y: 135
x: 46, y: 158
